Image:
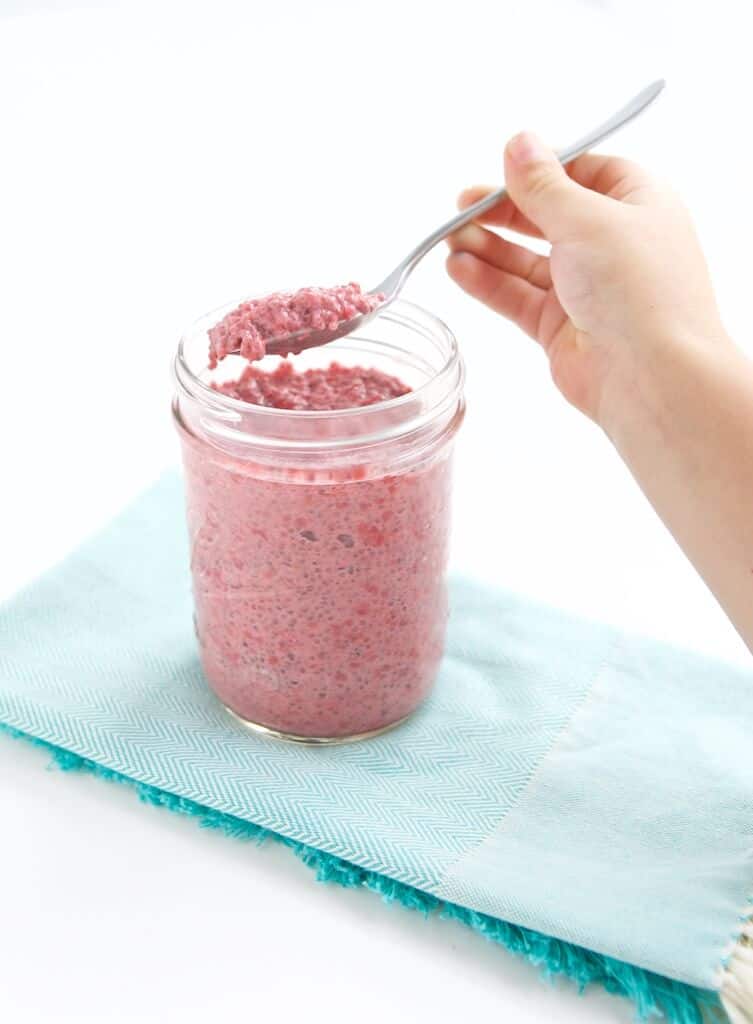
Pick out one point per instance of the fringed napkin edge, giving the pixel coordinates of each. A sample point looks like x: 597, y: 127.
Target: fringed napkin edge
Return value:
x: 652, y: 994
x: 736, y: 989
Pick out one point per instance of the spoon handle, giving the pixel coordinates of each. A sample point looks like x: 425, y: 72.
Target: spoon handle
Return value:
x: 627, y: 113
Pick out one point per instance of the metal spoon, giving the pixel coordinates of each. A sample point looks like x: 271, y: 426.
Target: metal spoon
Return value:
x: 392, y: 285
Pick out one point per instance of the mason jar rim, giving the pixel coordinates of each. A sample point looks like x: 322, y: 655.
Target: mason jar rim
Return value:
x: 404, y: 334
x: 191, y: 382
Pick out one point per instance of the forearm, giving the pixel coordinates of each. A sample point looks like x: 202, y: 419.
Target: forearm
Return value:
x: 685, y: 429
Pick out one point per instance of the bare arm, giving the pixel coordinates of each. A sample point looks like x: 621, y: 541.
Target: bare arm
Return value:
x: 687, y: 436
x: 625, y: 312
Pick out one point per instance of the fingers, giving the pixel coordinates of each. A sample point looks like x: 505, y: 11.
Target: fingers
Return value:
x: 505, y: 293
x: 502, y: 254
x: 609, y: 175
x: 503, y: 215
x: 541, y: 189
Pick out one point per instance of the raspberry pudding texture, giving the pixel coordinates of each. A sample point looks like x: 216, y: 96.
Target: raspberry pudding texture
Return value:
x: 336, y: 387
x: 318, y: 578
x: 247, y: 328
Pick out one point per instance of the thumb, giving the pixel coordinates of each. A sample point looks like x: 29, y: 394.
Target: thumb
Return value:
x: 540, y: 188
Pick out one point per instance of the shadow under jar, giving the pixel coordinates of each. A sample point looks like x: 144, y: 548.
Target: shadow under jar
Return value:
x: 319, y: 540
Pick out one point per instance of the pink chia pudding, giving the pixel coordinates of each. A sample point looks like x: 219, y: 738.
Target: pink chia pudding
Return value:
x: 247, y: 328
x: 335, y: 387
x: 320, y: 601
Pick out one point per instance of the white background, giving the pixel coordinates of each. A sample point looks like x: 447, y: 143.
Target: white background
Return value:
x: 160, y: 159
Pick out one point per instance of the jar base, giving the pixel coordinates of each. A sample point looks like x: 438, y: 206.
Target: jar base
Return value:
x: 313, y: 741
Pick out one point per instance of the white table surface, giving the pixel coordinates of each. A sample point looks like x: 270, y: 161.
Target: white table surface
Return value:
x: 159, y: 159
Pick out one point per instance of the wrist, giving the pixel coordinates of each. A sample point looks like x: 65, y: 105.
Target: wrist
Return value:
x: 669, y: 383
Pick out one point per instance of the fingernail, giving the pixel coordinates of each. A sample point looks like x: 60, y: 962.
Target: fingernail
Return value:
x: 527, y: 148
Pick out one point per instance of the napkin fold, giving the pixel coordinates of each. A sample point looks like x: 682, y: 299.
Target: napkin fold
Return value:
x: 581, y: 796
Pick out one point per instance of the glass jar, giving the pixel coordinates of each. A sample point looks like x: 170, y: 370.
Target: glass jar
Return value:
x: 319, y: 540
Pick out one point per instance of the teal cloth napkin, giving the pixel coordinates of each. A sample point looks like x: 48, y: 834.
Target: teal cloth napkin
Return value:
x: 581, y: 795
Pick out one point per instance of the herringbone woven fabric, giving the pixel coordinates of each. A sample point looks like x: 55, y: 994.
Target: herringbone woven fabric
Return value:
x: 518, y: 790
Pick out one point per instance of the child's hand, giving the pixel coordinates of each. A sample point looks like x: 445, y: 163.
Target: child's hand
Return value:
x: 624, y: 309
x: 626, y: 275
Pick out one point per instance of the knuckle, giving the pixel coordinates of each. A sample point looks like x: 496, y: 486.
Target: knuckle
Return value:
x: 541, y: 179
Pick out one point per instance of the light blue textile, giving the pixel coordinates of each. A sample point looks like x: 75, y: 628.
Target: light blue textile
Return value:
x: 638, y: 825
x: 592, y: 786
